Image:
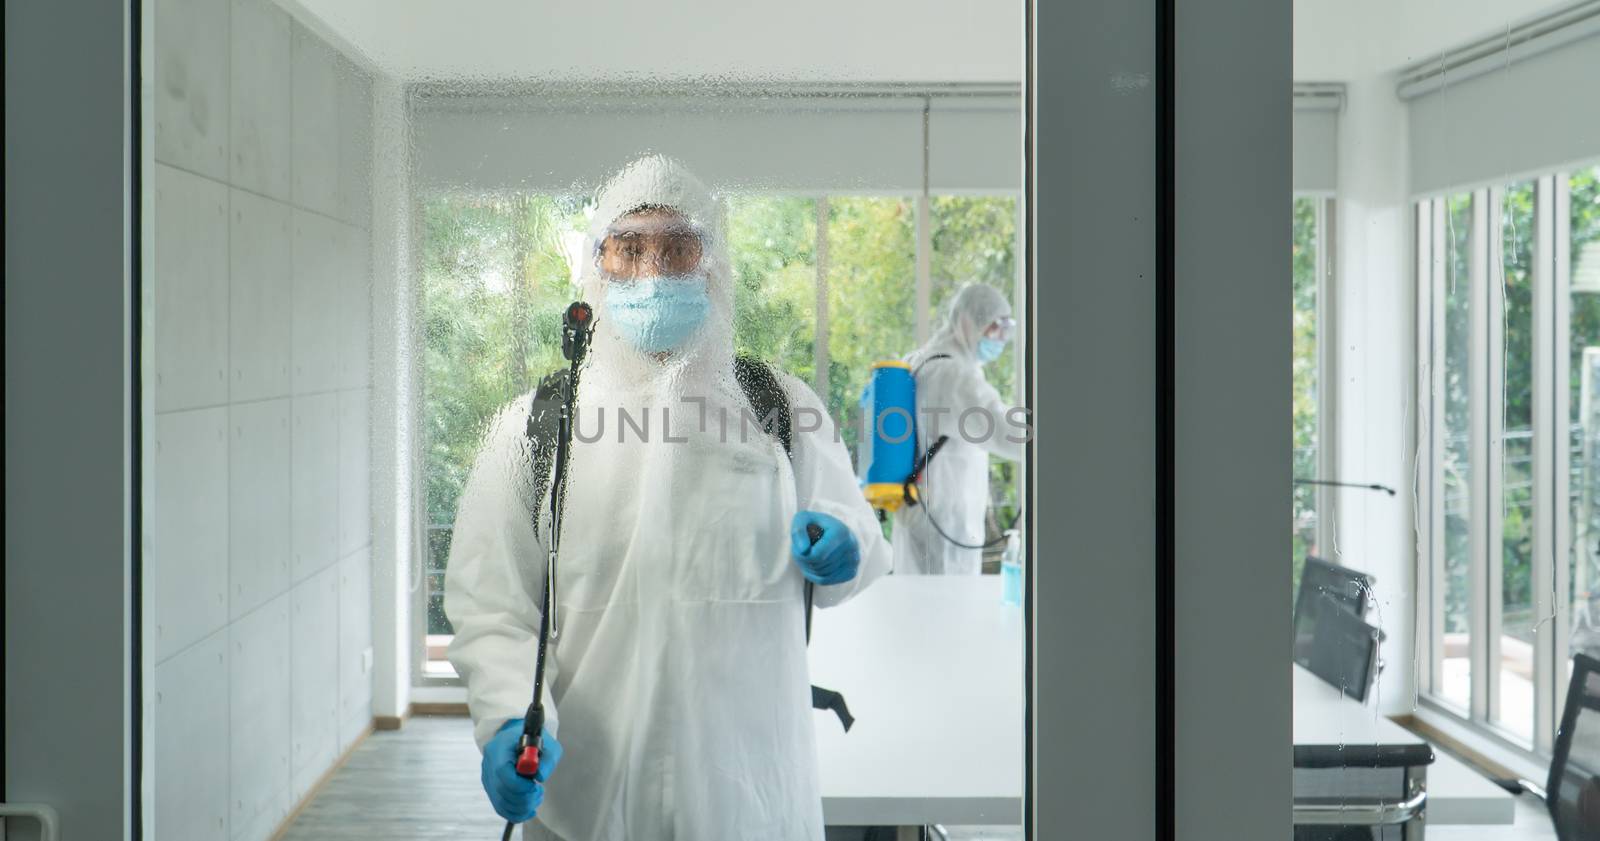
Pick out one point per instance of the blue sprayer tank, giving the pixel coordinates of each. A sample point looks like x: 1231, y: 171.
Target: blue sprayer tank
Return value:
x: 888, y: 450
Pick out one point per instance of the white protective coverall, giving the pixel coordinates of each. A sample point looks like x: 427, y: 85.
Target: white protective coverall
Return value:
x: 679, y: 677
x: 955, y: 487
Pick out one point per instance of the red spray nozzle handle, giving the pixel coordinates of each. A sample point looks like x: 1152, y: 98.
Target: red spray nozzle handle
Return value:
x: 528, y: 761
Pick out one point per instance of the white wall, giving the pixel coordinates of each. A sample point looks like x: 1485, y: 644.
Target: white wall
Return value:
x: 259, y: 570
x: 395, y: 374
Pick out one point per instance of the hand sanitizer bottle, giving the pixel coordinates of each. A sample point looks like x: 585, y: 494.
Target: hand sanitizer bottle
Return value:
x: 1011, y: 570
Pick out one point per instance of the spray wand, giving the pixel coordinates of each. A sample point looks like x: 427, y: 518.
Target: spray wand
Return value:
x: 577, y: 325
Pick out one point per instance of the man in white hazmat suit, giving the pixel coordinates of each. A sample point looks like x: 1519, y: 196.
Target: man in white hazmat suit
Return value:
x: 677, y: 683
x: 954, y: 399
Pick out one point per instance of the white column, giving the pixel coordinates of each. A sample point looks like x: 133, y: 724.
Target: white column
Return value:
x: 820, y: 353
x: 1375, y: 320
x: 924, y: 241
x: 924, y: 268
x: 395, y: 560
x: 1550, y: 510
x: 1559, y: 262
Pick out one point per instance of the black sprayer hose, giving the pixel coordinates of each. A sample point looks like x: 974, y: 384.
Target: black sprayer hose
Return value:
x: 990, y: 545
x: 575, y: 335
x: 916, y: 480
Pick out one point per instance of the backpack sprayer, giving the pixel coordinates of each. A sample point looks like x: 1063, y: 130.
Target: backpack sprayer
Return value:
x: 889, y: 466
x: 888, y: 455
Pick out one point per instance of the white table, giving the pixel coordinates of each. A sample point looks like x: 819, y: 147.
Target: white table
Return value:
x: 1456, y: 793
x: 932, y: 669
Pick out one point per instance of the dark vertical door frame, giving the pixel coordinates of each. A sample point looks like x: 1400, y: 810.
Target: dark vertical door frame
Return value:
x: 1166, y: 423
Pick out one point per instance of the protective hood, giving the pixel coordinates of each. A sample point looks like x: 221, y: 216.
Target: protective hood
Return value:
x: 656, y: 181
x: 967, y: 314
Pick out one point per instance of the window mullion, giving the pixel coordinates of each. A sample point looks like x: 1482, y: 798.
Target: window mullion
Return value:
x: 1548, y: 412
x: 1559, y: 262
x: 820, y: 350
x: 1485, y: 329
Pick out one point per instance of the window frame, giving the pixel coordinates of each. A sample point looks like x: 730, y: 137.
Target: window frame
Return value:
x: 1551, y: 531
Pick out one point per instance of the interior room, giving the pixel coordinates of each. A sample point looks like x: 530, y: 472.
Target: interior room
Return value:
x: 368, y: 222
x: 1444, y: 179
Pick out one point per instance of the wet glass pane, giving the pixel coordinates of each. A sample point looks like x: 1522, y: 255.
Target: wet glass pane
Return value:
x: 1456, y: 481
x: 1583, y: 455
x: 1518, y: 621
x: 391, y: 453
x: 974, y: 238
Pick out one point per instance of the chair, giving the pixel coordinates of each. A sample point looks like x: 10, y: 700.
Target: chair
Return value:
x: 1572, y: 792
x: 1342, y: 584
x: 1331, y: 639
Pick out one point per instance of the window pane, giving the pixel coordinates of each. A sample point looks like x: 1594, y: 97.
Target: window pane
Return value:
x: 1584, y: 379
x: 871, y: 296
x: 495, y: 278
x: 1515, y: 705
x: 974, y: 241
x: 773, y: 242
x: 1306, y: 383
x: 1456, y: 668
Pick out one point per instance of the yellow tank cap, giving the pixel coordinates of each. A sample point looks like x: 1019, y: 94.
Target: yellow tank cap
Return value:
x: 887, y: 496
x: 891, y: 363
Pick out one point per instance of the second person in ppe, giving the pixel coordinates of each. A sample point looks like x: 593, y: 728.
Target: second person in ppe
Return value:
x: 678, y: 682
x: 954, y: 399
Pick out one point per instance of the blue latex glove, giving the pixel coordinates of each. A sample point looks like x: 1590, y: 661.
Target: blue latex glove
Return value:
x: 516, y: 798
x: 836, y: 555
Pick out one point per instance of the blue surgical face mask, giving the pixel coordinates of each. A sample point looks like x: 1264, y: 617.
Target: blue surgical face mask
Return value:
x: 990, y: 349
x: 658, y: 314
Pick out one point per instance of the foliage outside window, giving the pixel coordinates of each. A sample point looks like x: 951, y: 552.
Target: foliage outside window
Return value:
x: 1307, y: 375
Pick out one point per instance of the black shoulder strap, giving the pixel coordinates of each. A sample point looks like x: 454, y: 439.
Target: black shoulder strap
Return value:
x: 544, y: 420
x: 917, y: 370
x: 767, y: 400
x: 771, y: 406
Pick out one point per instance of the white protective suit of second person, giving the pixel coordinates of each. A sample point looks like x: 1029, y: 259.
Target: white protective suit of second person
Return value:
x: 956, y: 482
x: 678, y: 685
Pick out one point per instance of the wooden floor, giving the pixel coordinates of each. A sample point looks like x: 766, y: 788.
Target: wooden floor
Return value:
x: 421, y: 782
x: 418, y: 782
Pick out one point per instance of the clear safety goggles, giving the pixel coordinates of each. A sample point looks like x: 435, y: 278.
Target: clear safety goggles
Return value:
x: 1001, y: 328
x: 650, y: 244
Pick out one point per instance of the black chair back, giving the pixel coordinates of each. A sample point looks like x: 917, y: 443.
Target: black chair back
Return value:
x: 1573, y: 789
x: 1330, y: 637
x: 1342, y: 584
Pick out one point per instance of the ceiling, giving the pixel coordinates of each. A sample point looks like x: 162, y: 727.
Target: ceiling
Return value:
x: 1343, y: 40
x: 827, y: 40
